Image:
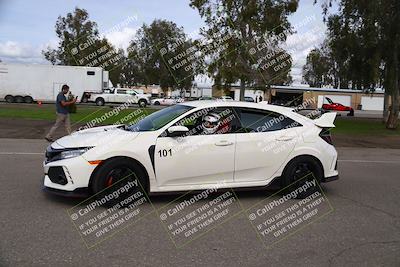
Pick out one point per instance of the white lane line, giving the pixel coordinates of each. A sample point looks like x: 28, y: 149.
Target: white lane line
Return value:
x: 369, y: 161
x: 20, y: 153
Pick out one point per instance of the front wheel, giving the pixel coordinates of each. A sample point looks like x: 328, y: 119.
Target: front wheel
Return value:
x: 302, y: 172
x: 142, y: 103
x: 119, y: 173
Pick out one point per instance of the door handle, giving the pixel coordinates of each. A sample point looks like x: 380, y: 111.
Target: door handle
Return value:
x: 284, y: 138
x: 223, y: 143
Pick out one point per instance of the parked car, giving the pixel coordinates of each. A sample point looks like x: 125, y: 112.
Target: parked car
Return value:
x: 197, y: 145
x: 225, y: 98
x: 337, y: 107
x: 120, y: 95
x: 166, y: 101
x: 207, y: 98
x: 248, y: 99
x: 279, y: 102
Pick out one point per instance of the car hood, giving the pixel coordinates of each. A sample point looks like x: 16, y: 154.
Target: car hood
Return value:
x: 94, y: 137
x: 144, y: 95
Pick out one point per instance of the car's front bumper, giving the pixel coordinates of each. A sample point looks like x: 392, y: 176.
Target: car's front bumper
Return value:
x: 77, y: 193
x: 77, y: 172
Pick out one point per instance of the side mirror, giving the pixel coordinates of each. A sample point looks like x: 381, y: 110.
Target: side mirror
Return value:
x: 175, y: 131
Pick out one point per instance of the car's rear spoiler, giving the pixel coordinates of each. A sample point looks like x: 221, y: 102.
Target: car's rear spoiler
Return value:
x: 326, y: 120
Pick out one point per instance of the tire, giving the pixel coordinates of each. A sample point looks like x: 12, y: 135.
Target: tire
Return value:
x: 100, y: 101
x: 19, y: 99
x: 28, y: 99
x: 298, y: 172
x: 351, y: 113
x: 142, y: 103
x: 85, y: 100
x: 116, y: 173
x: 156, y: 103
x: 9, y: 99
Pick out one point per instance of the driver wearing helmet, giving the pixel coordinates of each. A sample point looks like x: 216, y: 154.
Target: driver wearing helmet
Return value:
x: 211, y: 123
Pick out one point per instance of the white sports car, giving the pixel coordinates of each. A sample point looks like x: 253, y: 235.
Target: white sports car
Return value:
x: 194, y: 146
x: 167, y: 101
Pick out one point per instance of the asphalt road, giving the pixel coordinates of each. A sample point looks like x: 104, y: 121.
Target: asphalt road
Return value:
x: 362, y: 229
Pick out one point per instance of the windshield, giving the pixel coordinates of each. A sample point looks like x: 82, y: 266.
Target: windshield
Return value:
x: 159, y: 119
x: 329, y: 100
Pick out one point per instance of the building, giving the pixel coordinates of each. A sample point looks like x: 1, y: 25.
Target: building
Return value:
x: 357, y: 99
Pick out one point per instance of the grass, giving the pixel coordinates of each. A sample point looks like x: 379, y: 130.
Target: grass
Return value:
x: 362, y: 126
x: 85, y: 114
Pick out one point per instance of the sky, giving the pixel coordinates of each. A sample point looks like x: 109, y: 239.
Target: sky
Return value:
x: 27, y: 26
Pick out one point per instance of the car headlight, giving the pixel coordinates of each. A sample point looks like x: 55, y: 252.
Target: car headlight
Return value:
x: 73, y: 153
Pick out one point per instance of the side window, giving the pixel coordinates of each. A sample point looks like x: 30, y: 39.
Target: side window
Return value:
x: 121, y: 91
x: 131, y: 92
x: 207, y: 121
x: 253, y: 120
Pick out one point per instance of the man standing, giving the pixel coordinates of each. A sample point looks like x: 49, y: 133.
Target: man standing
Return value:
x: 62, y: 113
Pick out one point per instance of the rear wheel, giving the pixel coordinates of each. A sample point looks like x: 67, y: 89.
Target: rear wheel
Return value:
x: 100, y: 101
x: 299, y: 172
x: 28, y: 99
x: 157, y: 103
x: 19, y: 99
x: 115, y: 174
x: 9, y: 99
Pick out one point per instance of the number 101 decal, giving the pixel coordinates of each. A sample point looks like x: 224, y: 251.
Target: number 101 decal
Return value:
x: 164, y: 152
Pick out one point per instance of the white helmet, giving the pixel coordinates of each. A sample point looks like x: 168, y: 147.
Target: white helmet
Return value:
x: 211, y: 123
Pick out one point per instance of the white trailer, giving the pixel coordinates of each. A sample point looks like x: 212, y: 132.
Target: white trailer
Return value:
x: 27, y: 83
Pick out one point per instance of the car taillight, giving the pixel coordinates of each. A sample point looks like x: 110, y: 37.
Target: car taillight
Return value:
x: 326, y: 135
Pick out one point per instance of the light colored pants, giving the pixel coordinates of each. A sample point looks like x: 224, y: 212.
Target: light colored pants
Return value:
x: 61, y: 119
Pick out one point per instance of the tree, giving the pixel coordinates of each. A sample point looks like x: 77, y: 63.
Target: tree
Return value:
x: 364, y: 38
x: 153, y: 53
x: 80, y: 44
x: 316, y: 71
x: 236, y: 30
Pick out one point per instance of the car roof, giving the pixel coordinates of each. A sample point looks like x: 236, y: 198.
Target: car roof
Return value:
x: 242, y: 104
x: 218, y: 103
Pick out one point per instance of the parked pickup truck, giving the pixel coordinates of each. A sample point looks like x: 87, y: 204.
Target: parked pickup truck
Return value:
x: 121, y: 95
